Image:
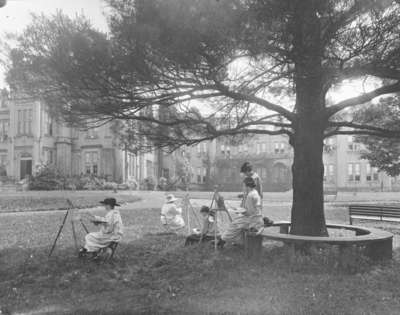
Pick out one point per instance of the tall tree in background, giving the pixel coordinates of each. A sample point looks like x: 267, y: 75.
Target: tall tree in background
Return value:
x: 221, y: 68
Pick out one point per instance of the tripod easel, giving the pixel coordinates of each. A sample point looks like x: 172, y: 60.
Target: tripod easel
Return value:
x: 220, y: 206
x: 69, y: 210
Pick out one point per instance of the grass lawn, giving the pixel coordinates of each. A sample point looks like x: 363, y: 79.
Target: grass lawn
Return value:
x: 155, y: 274
x: 56, y: 200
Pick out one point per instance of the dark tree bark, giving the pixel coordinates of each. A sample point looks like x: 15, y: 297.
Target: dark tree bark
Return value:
x: 308, y: 203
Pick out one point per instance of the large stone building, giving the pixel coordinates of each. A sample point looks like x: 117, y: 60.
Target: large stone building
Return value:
x: 29, y: 137
x: 272, y: 156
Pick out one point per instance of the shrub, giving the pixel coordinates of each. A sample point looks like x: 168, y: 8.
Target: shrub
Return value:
x: 47, y: 178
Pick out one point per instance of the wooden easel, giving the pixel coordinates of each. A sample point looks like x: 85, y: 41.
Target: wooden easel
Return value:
x: 220, y: 206
x: 69, y: 210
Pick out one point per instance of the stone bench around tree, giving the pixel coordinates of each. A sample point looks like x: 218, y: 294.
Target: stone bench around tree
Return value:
x: 378, y: 244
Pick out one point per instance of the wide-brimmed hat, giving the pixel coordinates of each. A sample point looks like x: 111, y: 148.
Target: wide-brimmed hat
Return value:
x: 171, y: 198
x: 110, y: 201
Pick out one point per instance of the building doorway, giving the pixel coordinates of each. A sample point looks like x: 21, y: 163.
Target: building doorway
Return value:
x: 25, y: 166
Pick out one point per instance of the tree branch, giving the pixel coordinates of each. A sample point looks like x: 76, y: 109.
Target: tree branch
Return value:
x: 254, y: 99
x: 330, y: 111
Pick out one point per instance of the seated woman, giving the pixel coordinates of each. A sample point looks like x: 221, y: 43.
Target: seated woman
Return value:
x: 171, y: 215
x: 111, y: 229
x: 207, y: 231
x: 250, y: 216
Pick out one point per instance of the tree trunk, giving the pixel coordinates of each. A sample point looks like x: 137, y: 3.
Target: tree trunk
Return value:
x: 308, y: 203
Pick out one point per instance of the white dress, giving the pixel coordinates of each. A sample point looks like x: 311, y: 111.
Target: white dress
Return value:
x: 171, y: 216
x: 111, y: 231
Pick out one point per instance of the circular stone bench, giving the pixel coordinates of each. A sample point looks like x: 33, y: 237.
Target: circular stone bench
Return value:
x: 378, y: 244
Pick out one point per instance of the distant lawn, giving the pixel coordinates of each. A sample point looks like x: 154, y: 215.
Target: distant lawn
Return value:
x: 56, y: 200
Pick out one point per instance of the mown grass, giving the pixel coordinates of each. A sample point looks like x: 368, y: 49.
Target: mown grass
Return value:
x: 157, y: 275
x: 57, y: 200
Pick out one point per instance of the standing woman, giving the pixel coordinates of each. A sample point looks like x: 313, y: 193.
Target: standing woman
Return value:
x: 248, y: 172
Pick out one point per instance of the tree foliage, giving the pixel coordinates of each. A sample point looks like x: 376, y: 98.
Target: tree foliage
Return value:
x: 185, y: 71
x: 383, y: 153
x: 176, y: 54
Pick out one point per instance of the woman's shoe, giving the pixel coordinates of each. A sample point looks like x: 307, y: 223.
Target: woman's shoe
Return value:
x: 82, y: 252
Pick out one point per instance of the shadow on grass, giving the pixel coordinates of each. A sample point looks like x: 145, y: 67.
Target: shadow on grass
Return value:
x: 157, y: 275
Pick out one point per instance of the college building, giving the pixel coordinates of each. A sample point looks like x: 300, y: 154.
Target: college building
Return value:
x: 30, y: 137
x: 272, y: 156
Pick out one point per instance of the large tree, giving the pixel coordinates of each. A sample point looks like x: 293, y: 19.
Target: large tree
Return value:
x: 220, y: 68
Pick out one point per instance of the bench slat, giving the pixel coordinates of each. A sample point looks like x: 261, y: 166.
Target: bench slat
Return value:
x: 375, y: 212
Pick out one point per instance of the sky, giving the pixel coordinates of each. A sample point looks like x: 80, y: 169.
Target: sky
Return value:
x: 16, y: 15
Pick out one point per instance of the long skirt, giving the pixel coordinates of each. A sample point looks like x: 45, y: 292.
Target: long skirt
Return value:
x: 174, y: 224
x: 234, y: 231
x: 97, y: 240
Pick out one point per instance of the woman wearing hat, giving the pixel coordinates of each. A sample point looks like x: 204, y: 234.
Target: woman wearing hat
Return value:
x: 111, y: 228
x: 171, y: 215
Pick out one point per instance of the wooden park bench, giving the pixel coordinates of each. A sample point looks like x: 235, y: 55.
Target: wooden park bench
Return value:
x: 374, y: 212
x: 378, y: 244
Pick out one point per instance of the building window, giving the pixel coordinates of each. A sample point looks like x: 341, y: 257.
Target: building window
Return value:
x: 258, y: 148
x: 350, y: 172
x: 331, y: 170
x: 263, y: 173
x: 131, y: 164
x: 165, y: 173
x: 352, y: 146
x: 228, y: 151
x: 92, y: 162
x: 92, y: 133
x: 4, y: 127
x: 49, y: 156
x: 199, y: 175
x: 357, y: 172
x: 372, y: 173
x: 149, y: 168
x: 204, y: 174
x: 24, y: 122
x: 328, y: 145
x: 3, y: 160
x: 204, y: 147
x: 263, y: 147
x: 279, y: 147
x: 48, y: 124
x: 353, y: 172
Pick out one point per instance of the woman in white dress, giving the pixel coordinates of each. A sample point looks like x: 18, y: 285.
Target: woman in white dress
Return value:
x: 111, y: 229
x: 171, y: 215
